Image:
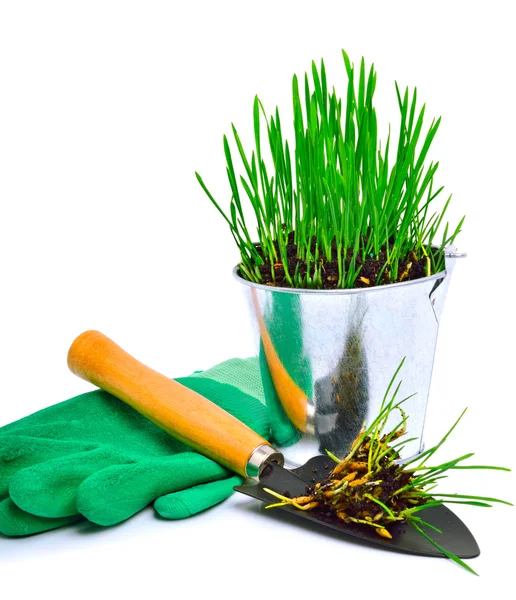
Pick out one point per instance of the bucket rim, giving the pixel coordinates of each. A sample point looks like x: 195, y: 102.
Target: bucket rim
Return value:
x: 338, y: 292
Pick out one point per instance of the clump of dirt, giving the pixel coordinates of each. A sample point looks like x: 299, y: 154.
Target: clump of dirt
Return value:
x: 367, y: 487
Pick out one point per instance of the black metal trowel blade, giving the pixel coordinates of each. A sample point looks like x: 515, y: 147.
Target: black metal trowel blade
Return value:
x: 455, y: 536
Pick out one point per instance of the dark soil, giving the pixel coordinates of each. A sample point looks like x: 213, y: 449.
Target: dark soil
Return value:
x: 371, y: 268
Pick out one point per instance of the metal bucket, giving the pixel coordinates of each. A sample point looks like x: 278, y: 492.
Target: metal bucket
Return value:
x: 327, y: 356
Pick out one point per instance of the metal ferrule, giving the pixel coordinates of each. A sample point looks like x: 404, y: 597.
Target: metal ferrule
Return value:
x: 310, y: 419
x: 260, y: 458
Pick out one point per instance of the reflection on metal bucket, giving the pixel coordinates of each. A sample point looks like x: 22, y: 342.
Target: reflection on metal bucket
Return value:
x: 327, y: 356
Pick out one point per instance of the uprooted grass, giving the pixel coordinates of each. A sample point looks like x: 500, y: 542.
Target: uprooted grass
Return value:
x: 371, y: 487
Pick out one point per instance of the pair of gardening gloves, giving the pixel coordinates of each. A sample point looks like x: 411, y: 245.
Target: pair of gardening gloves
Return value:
x: 94, y: 457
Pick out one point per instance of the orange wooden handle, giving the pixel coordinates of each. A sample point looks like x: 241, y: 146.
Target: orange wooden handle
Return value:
x: 183, y: 413
x: 292, y: 397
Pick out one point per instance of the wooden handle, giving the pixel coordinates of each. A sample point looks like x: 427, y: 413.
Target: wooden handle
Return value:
x: 183, y: 413
x: 291, y: 396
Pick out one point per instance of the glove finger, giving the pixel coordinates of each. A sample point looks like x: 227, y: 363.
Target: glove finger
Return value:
x: 16, y: 522
x: 56, y: 430
x: 189, y: 502
x: 18, y: 452
x: 49, y: 489
x: 69, y: 410
x: 117, y: 493
x: 106, y: 420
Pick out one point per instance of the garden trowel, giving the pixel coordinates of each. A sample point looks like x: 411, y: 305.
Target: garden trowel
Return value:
x: 207, y: 428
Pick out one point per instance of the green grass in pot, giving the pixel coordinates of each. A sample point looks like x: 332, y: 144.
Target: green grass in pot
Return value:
x: 335, y: 208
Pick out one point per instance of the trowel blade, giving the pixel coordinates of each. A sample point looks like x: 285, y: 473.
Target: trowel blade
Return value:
x: 455, y: 536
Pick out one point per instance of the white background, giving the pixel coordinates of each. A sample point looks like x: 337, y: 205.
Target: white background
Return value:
x: 106, y: 110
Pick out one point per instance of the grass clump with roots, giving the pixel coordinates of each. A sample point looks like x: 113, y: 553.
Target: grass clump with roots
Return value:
x: 371, y: 486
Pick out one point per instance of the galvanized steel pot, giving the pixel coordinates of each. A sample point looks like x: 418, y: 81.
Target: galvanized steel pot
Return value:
x: 330, y: 354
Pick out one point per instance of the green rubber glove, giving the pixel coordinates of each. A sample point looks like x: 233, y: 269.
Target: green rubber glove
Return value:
x: 93, y: 456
